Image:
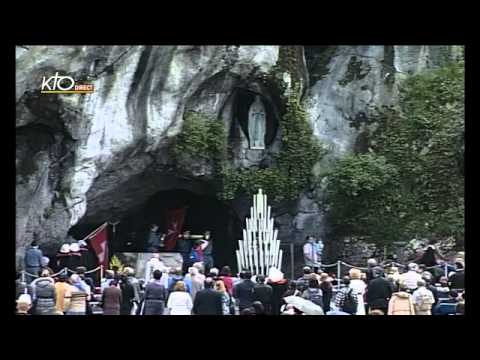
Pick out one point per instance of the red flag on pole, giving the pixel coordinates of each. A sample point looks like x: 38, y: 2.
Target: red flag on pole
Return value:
x: 175, y: 219
x: 99, y: 242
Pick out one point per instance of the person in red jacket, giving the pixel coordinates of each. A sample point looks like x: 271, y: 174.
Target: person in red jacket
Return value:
x: 226, y: 277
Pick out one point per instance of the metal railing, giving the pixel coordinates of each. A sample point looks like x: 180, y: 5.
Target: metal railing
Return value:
x: 64, y: 271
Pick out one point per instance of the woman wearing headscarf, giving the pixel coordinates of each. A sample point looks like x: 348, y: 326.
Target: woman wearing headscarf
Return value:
x: 79, y: 296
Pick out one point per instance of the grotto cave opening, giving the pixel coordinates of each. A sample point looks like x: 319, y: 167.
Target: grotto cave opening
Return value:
x: 201, y: 212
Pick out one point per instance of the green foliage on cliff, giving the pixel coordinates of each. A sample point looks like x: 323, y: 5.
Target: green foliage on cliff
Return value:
x: 205, y: 139
x: 356, y: 70
x: 202, y: 138
x: 411, y: 183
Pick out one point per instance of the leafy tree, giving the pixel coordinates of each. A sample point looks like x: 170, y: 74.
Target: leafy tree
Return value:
x: 411, y: 183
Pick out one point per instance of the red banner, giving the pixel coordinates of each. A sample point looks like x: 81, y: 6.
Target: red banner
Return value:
x: 175, y: 219
x: 99, y: 243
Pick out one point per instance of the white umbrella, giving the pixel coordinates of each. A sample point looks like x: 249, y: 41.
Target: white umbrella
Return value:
x: 305, y: 306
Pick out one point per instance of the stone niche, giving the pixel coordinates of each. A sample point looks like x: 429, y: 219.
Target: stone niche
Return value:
x: 244, y: 98
x: 243, y: 155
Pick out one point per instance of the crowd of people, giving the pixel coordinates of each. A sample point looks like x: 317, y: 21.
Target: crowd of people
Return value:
x: 382, y: 289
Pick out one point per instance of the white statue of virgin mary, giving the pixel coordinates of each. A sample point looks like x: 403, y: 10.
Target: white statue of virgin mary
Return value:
x: 256, y: 124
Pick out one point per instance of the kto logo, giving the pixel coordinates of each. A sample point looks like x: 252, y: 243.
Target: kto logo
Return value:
x: 64, y: 85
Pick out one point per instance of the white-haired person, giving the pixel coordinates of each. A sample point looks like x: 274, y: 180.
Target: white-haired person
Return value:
x: 24, y: 303
x: 213, y: 273
x: 410, y: 279
x: 358, y: 286
x: 201, y: 269
x: 195, y: 280
x: 80, y: 293
x: 152, y: 265
x: 45, y: 262
x: 423, y: 299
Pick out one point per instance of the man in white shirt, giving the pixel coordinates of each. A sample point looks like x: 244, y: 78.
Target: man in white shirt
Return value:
x: 411, y: 278
x: 153, y: 264
x: 310, y: 253
x: 423, y: 299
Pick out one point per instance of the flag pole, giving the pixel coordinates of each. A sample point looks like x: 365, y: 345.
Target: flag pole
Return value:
x: 95, y: 231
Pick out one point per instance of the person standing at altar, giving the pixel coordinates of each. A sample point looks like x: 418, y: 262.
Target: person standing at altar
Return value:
x: 75, y: 256
x: 207, y: 248
x: 85, y: 259
x: 184, y: 247
x: 153, y: 264
x: 153, y: 239
x: 63, y: 257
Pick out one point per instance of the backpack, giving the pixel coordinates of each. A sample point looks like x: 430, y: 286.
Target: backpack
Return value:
x: 315, y: 296
x: 350, y: 303
x: 426, y: 302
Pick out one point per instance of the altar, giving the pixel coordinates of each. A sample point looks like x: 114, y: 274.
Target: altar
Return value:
x: 139, y: 260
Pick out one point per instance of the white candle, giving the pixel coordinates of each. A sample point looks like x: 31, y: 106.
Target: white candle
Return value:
x: 239, y: 263
x: 260, y: 249
x: 242, y: 254
x: 264, y: 206
x: 255, y: 258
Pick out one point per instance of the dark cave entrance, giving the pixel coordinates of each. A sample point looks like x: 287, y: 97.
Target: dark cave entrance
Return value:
x: 202, y: 212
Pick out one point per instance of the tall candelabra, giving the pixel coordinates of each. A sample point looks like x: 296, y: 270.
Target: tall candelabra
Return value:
x: 260, y: 249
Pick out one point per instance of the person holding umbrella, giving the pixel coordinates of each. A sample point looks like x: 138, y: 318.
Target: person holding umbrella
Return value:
x: 307, y: 307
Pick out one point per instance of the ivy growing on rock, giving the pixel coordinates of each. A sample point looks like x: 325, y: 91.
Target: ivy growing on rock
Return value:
x: 202, y: 139
x: 356, y: 70
x: 299, y: 152
x: 411, y: 181
x: 205, y: 140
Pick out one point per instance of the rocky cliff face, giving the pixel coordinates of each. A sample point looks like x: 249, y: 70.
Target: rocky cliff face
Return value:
x: 91, y: 158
